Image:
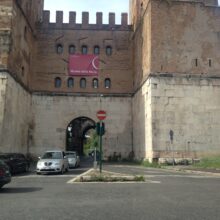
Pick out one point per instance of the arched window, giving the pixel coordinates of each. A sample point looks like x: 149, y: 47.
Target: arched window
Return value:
x: 96, y: 50
x: 72, y: 49
x: 108, y: 51
x: 59, y: 48
x: 57, y: 82
x: 107, y: 83
x: 70, y: 83
x: 95, y: 83
x: 84, y: 49
x: 83, y: 83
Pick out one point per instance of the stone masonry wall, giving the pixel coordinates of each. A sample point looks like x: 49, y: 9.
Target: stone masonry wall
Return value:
x: 15, y: 116
x: 142, y: 120
x: 191, y: 108
x: 3, y: 80
x: 52, y: 114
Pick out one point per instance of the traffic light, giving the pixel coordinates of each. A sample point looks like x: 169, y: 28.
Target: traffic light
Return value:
x: 100, y: 129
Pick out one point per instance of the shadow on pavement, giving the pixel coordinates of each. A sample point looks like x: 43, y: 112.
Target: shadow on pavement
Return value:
x: 20, y: 190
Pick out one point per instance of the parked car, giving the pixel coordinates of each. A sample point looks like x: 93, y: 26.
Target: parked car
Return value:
x: 73, y: 159
x: 16, y: 162
x: 5, y: 175
x: 52, y: 162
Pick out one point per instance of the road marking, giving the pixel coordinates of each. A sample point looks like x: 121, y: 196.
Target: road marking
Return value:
x: 72, y: 180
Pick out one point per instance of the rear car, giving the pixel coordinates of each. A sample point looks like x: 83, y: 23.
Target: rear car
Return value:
x: 5, y: 176
x: 73, y: 159
x: 52, y: 162
x: 16, y: 162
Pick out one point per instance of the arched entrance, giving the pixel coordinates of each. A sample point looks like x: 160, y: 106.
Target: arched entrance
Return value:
x: 75, y: 133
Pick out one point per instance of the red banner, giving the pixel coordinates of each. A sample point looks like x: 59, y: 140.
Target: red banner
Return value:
x: 83, y: 65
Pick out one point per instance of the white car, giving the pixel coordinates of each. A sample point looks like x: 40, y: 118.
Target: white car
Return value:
x: 52, y: 162
x: 73, y: 159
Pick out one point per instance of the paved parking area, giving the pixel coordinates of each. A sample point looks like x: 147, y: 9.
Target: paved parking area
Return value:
x: 165, y: 195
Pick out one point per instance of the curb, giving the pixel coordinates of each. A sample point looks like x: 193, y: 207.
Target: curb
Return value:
x: 192, y: 171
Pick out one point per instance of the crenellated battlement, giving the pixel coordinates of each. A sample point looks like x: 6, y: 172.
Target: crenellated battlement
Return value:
x: 85, y: 21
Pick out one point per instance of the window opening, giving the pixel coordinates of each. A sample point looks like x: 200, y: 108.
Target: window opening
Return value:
x: 107, y: 83
x: 95, y: 83
x: 58, y: 82
x: 84, y: 49
x: 70, y: 83
x: 83, y: 83
x: 109, y: 50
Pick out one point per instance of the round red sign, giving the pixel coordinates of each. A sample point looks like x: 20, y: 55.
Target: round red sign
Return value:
x: 101, y: 115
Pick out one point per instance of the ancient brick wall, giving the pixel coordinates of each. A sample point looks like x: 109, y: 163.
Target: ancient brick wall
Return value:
x: 5, y: 31
x: 49, y: 65
x: 185, y: 37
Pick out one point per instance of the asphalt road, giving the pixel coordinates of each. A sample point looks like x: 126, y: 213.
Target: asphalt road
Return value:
x: 165, y: 195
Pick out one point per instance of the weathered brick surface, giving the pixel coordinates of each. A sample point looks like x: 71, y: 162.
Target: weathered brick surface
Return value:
x: 48, y: 64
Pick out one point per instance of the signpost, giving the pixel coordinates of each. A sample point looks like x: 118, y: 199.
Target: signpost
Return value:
x: 100, y: 128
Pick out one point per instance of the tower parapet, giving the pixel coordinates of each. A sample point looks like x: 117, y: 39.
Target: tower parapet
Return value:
x: 85, y: 21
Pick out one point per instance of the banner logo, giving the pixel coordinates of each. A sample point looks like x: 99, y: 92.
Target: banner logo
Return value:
x: 83, y: 65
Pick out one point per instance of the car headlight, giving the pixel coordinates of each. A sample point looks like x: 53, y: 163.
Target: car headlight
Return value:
x: 40, y: 164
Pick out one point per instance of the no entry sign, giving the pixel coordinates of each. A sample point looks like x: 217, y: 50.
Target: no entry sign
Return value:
x: 101, y: 115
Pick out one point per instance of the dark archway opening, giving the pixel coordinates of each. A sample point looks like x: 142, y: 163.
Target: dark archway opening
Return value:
x: 76, y: 133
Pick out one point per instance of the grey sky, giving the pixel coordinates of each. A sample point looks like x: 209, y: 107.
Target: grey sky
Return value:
x: 92, y: 6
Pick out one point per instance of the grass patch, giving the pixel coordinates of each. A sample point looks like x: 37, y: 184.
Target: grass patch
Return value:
x: 211, y: 162
x: 148, y: 164
x: 94, y: 176
x: 144, y: 163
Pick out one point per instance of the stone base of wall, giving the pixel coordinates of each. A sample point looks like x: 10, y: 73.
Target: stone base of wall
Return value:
x: 52, y: 115
x: 189, y: 106
x: 15, y: 116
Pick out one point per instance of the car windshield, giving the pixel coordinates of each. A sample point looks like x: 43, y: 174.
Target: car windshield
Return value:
x: 71, y: 155
x: 52, y: 155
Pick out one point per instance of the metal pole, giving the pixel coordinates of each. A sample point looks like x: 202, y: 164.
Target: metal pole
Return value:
x: 100, y: 145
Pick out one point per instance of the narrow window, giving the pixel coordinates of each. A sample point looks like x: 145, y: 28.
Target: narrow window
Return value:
x: 22, y: 71
x: 57, y: 82
x: 196, y: 62
x: 107, y: 83
x: 25, y: 33
x: 210, y: 62
x: 95, y: 83
x: 108, y: 50
x: 59, y: 48
x: 96, y: 50
x: 72, y: 49
x: 84, y: 49
x: 70, y: 83
x: 83, y: 83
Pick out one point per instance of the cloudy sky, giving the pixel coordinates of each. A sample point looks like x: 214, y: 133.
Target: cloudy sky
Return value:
x: 92, y: 6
